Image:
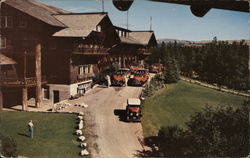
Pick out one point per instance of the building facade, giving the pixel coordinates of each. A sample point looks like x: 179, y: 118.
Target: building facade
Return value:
x: 57, y: 54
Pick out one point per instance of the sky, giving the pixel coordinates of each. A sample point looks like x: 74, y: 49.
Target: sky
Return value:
x: 170, y: 21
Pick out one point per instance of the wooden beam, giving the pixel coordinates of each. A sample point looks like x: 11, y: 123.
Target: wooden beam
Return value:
x: 25, y: 98
x: 24, y: 65
x: 38, y: 75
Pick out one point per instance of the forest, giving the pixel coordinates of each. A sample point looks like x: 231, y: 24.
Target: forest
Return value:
x: 218, y: 62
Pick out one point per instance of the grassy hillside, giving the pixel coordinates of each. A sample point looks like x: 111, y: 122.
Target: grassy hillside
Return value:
x: 53, y: 134
x: 175, y: 104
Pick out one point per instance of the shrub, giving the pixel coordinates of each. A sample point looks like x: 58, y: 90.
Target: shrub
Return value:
x: 8, y: 146
x: 213, y: 132
x: 156, y: 84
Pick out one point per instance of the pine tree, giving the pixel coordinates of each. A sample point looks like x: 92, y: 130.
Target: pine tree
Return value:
x: 171, y: 72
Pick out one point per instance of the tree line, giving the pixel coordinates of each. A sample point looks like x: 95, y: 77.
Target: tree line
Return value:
x: 219, y: 62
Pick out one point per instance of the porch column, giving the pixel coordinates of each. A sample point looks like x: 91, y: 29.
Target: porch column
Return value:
x: 123, y: 62
x: 51, y: 97
x: 120, y: 65
x: 1, y: 100
x: 38, y: 75
x: 25, y: 98
x: 43, y: 94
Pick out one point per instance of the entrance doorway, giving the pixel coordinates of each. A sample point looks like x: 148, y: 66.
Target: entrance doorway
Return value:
x: 56, y: 96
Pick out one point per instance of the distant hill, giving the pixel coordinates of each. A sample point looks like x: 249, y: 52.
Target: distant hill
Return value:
x: 229, y: 41
x: 186, y: 42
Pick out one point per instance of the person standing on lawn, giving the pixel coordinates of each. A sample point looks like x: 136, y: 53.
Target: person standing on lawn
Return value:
x: 30, y: 126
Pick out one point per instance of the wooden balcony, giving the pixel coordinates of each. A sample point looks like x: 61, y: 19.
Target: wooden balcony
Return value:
x: 20, y: 82
x: 90, y: 50
x: 85, y: 77
x: 143, y: 51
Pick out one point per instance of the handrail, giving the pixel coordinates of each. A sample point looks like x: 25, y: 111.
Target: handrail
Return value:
x: 91, y: 50
x: 20, y: 81
x: 86, y: 76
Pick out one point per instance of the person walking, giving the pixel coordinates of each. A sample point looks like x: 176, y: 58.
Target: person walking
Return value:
x: 30, y: 126
x: 126, y: 80
x: 108, y: 80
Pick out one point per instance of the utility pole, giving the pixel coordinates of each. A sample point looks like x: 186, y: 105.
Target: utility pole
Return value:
x: 103, y: 6
x: 127, y: 20
x: 150, y: 23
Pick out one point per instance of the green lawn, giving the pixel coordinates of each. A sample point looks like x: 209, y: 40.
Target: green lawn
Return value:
x: 175, y: 104
x: 53, y: 134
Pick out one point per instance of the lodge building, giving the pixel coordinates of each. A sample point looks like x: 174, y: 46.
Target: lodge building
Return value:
x: 49, y: 53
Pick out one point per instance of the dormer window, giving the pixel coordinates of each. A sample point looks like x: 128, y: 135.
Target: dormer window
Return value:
x: 6, y: 21
x: 98, y: 28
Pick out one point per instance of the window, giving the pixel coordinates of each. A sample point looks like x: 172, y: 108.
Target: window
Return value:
x: 98, y: 28
x: 120, y: 33
x: 2, y: 42
x: 22, y: 22
x: 85, y: 69
x: 6, y: 21
x: 46, y: 93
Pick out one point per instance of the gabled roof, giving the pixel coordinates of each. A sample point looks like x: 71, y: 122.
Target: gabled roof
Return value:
x: 129, y: 40
x: 121, y: 28
x: 6, y: 60
x: 72, y: 32
x: 79, y: 25
x: 37, y: 10
x: 143, y: 37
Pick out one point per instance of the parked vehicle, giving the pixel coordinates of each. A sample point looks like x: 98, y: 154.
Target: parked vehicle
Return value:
x: 140, y: 77
x: 118, y: 78
x: 135, y: 67
x: 133, y: 110
x: 156, y: 68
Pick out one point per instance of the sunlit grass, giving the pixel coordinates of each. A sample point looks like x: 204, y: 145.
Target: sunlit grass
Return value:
x: 53, y: 134
x: 177, y: 102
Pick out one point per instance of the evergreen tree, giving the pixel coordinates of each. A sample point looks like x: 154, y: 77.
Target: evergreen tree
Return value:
x: 171, y: 72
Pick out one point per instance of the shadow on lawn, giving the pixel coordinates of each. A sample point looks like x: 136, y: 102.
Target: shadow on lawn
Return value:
x: 22, y: 134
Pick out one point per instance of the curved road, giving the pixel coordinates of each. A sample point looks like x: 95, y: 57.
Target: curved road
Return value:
x: 115, y: 137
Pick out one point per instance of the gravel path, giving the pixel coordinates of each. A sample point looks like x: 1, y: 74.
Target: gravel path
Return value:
x: 115, y: 138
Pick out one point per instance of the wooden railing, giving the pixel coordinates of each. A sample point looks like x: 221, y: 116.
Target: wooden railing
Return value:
x: 83, y: 49
x: 85, y: 77
x: 143, y: 51
x: 31, y: 81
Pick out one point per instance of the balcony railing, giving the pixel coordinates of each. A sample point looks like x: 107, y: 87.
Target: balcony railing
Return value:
x: 85, y: 77
x: 88, y: 50
x: 31, y: 81
x: 143, y: 51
